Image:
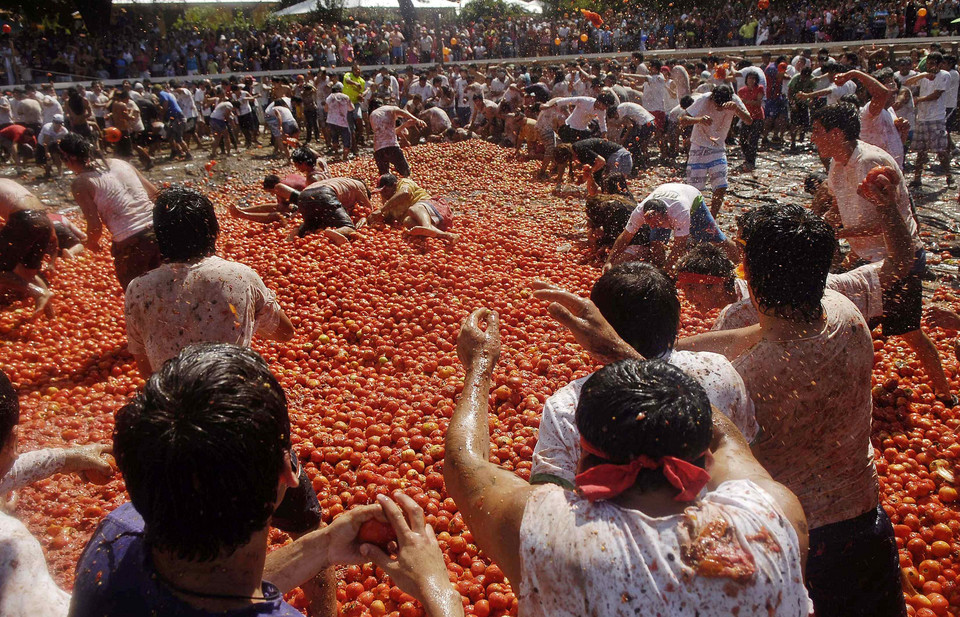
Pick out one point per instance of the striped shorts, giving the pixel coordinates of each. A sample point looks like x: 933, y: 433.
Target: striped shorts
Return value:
x: 707, y: 164
x: 930, y: 136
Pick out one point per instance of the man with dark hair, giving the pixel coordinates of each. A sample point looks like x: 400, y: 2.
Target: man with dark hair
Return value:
x: 28, y: 588
x: 592, y: 156
x: 836, y: 131
x: 195, y: 296
x: 585, y: 109
x: 323, y: 211
x: 930, y: 133
x: 673, y: 209
x: 711, y: 117
x: 206, y: 455
x: 310, y: 164
x: 708, y: 279
x: 646, y: 499
x: 407, y: 203
x: 641, y: 304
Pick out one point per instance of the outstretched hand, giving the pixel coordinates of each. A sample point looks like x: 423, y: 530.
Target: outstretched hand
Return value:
x: 476, y: 344
x: 585, y: 322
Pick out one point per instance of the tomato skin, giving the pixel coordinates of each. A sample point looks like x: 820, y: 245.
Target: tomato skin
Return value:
x: 375, y: 532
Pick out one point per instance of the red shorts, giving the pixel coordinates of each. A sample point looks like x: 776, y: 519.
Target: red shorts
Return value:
x: 441, y: 215
x: 659, y: 119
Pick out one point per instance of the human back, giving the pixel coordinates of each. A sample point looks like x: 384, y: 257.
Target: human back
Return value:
x: 121, y: 199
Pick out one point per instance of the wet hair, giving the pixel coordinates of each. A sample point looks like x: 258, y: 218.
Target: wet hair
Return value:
x: 844, y: 116
x: 374, y: 104
x: 75, y: 146
x: 709, y: 260
x: 812, y: 182
x: 304, y: 156
x: 616, y: 184
x: 641, y: 304
x: 686, y: 101
x: 883, y: 75
x: 563, y: 154
x: 607, y: 99
x: 185, y: 224
x: 74, y: 100
x: 934, y: 56
x: 634, y: 408
x: 756, y: 78
x: 721, y: 94
x: 655, y: 206
x: 654, y: 65
x: 387, y: 180
x: 201, y: 450
x: 610, y: 212
x: 788, y: 253
x: 832, y: 67
x: 850, y: 99
x: 9, y: 408
x: 271, y: 181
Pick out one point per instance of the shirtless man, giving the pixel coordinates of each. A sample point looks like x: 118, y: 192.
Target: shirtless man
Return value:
x: 25, y: 238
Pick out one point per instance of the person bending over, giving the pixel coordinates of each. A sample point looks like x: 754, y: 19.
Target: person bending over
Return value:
x: 662, y: 482
x: 323, y: 211
x: 206, y: 456
x: 26, y: 237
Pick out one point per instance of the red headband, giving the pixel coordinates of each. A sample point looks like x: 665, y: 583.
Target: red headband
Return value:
x: 690, y: 278
x: 609, y: 480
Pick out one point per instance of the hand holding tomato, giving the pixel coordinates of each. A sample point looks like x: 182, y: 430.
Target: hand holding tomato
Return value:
x: 880, y: 187
x: 477, y: 345
x: 92, y: 462
x: 419, y: 568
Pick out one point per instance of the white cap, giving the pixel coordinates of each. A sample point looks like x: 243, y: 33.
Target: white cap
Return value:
x: 58, y: 119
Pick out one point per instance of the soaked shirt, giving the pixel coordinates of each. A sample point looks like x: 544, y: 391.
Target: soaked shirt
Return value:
x: 350, y: 191
x: 733, y: 552
x: 558, y: 446
x: 32, y: 466
x: 116, y: 578
x: 210, y: 301
x: 813, y: 403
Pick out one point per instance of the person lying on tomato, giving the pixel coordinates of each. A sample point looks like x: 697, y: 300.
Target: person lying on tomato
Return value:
x: 408, y: 204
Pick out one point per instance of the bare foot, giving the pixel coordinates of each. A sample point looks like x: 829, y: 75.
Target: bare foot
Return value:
x: 335, y: 237
x: 452, y: 239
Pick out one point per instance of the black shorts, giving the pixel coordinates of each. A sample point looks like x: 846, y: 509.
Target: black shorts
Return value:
x: 853, y: 569
x: 101, y: 122
x: 248, y: 122
x: 570, y: 135
x: 903, y: 301
x: 392, y: 155
x: 953, y: 120
x: 83, y: 129
x: 24, y: 240
x: 65, y: 236
x: 299, y: 512
x: 332, y: 218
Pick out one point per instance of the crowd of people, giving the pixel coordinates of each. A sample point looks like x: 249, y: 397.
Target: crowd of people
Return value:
x: 726, y: 473
x: 137, y: 47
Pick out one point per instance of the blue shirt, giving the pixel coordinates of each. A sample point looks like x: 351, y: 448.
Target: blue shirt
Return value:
x: 116, y: 578
x: 173, y: 109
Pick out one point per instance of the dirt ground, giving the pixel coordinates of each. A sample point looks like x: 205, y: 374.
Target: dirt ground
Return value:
x: 778, y: 178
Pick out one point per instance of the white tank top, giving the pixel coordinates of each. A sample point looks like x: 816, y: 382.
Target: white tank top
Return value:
x: 580, y: 558
x: 122, y: 202
x: 881, y: 132
x: 285, y: 114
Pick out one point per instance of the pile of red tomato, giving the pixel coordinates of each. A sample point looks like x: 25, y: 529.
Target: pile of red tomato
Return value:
x: 372, y: 373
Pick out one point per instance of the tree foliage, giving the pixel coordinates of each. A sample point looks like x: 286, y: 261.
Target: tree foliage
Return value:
x: 490, y: 9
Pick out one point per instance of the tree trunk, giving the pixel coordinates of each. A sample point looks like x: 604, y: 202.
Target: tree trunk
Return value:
x: 409, y: 15
x: 95, y: 14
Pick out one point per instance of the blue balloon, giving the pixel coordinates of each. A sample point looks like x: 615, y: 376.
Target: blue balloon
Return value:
x: 813, y: 28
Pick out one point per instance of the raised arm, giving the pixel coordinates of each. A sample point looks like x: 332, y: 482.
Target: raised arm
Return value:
x: 491, y: 499
x: 880, y: 94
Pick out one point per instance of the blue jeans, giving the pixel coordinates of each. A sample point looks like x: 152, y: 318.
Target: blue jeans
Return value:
x: 620, y: 162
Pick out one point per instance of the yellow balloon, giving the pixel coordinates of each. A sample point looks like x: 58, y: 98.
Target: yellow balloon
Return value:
x: 584, y: 37
x: 446, y: 51
x: 556, y: 41
x: 453, y: 42
x: 922, y: 12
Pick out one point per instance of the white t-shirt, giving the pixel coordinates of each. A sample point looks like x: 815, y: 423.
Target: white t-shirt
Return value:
x: 338, y: 106
x: 581, y: 558
x: 634, y: 112
x: 880, y: 131
x: 51, y: 107
x: 187, y: 105
x: 679, y: 199
x: 931, y: 111
x: 6, y: 115
x: 210, y: 301
x: 101, y: 99
x: 655, y: 93
x: 950, y: 94
x: 714, y: 135
x: 558, y: 447
x: 122, y: 202
x: 583, y: 112
x: 860, y: 285
x: 28, y: 588
x: 49, y: 134
x: 383, y: 119
x: 836, y: 92
x: 855, y: 211
x: 437, y: 120
x: 222, y: 111
x: 425, y: 91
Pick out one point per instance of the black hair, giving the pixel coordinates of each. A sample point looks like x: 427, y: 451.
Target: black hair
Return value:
x: 75, y: 146
x: 686, y: 101
x: 832, y: 67
x: 813, y: 181
x: 634, y: 408
x: 709, y: 260
x: 304, y: 156
x: 271, y: 181
x: 883, y: 74
x: 721, y: 94
x: 610, y: 212
x: 641, y: 304
x: 844, y: 116
x: 201, y: 450
x: 387, y: 180
x: 788, y: 253
x: 654, y: 65
x: 934, y: 56
x: 616, y: 184
x: 607, y: 99
x: 655, y: 206
x: 185, y: 224
x: 9, y: 408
